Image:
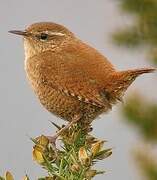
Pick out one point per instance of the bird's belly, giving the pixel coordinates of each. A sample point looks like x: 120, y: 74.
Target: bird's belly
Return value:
x: 57, y: 103
x: 65, y: 106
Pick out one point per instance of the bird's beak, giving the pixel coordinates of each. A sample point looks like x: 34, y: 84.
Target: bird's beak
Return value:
x: 21, y: 33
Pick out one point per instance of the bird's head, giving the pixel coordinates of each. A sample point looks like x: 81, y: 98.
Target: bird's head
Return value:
x: 43, y: 36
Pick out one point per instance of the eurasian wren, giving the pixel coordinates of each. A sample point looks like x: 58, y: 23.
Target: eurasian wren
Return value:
x: 70, y: 77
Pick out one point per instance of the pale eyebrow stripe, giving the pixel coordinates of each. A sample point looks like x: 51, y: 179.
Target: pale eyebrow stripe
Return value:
x: 55, y: 33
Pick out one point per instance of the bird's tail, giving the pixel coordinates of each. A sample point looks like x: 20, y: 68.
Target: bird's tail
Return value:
x: 122, y: 80
x: 127, y: 77
x: 137, y: 72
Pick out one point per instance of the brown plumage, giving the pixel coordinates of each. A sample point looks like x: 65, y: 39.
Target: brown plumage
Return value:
x: 70, y: 77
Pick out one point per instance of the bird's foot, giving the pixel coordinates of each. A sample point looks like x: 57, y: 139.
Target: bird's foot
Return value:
x: 52, y: 139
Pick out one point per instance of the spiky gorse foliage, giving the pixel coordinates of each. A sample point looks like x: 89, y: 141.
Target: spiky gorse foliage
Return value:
x: 143, y: 115
x: 75, y: 157
x: 142, y: 32
x: 147, y: 162
x: 9, y: 176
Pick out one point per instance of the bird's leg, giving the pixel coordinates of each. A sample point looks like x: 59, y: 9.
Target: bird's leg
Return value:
x: 52, y: 139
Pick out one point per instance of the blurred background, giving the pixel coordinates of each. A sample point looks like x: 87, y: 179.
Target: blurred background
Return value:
x: 125, y: 31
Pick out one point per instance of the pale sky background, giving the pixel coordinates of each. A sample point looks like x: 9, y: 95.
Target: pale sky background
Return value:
x: 22, y: 116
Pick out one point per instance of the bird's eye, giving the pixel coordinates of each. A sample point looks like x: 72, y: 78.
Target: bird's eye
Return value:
x: 43, y: 36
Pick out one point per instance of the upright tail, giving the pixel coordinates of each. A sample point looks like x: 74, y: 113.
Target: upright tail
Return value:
x: 130, y: 75
x: 137, y: 72
x: 122, y: 80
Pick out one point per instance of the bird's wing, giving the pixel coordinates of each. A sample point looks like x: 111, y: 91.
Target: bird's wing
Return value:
x: 75, y: 73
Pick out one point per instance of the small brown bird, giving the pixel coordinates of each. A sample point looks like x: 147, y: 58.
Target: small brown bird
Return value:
x: 69, y: 77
